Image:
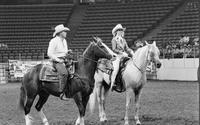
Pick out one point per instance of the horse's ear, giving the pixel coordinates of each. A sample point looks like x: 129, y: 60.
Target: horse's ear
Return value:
x: 146, y: 42
x: 95, y: 39
x: 154, y: 43
x: 92, y: 42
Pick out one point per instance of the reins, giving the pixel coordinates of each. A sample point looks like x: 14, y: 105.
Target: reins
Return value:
x: 82, y: 56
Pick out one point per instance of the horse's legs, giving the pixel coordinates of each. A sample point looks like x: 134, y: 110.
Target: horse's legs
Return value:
x: 43, y: 96
x: 85, y: 101
x: 79, y: 102
x: 128, y: 100
x: 98, y: 88
x: 104, y: 94
x: 27, y: 109
x: 137, y: 106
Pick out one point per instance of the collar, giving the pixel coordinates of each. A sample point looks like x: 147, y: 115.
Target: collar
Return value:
x: 61, y: 39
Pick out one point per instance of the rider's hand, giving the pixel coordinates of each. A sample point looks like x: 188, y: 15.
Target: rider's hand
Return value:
x: 125, y: 54
x: 69, y: 51
x: 60, y: 60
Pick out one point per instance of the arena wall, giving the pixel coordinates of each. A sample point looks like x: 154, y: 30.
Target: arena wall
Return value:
x: 184, y: 69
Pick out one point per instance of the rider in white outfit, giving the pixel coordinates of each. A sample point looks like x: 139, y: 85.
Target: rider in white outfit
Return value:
x: 120, y: 47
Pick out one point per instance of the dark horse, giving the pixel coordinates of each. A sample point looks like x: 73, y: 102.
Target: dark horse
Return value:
x: 81, y: 85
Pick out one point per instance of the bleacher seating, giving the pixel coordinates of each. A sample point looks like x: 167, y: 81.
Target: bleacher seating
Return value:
x: 27, y: 29
x: 139, y: 17
x: 187, y: 23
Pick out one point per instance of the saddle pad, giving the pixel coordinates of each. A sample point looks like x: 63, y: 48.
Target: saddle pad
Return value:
x: 105, y: 65
x: 48, y: 74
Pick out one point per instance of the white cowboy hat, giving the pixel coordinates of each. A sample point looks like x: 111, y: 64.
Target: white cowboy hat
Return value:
x: 117, y: 27
x: 60, y: 28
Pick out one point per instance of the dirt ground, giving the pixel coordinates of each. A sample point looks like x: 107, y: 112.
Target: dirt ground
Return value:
x: 162, y: 103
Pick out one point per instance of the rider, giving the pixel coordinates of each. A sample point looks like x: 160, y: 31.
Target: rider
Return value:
x: 57, y: 51
x: 120, y: 47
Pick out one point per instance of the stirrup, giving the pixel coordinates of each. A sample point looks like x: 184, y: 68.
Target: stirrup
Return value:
x: 63, y: 97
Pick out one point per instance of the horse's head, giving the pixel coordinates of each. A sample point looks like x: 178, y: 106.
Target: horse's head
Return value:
x: 100, y: 50
x: 154, y: 54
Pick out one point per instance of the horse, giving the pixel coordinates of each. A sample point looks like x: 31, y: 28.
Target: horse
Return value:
x: 81, y: 87
x: 133, y: 77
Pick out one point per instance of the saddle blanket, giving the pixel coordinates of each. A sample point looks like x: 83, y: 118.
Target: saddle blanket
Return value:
x: 48, y: 74
x: 105, y: 65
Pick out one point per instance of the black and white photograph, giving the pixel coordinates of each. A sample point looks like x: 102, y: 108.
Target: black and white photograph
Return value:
x: 99, y: 62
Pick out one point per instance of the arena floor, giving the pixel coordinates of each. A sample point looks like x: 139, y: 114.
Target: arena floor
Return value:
x: 162, y: 103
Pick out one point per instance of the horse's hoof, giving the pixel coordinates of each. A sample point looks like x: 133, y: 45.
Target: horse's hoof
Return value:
x: 126, y: 123
x: 138, y: 123
x: 105, y: 119
x: 46, y: 123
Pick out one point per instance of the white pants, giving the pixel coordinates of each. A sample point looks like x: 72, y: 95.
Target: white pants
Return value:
x: 115, y: 69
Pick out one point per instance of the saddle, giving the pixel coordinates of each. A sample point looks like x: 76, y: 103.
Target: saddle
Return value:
x: 106, y: 66
x: 49, y: 74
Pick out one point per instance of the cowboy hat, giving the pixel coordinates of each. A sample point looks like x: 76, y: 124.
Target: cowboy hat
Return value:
x: 60, y: 28
x: 117, y: 27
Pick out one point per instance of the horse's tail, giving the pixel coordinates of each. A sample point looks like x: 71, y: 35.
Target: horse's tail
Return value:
x: 22, y: 98
x: 92, y: 100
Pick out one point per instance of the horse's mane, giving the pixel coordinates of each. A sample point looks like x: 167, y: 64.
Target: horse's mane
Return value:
x: 85, y: 51
x: 139, y: 50
x: 87, y: 48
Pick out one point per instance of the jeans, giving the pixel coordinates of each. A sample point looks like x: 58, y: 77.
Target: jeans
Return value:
x: 61, y: 68
x: 63, y: 75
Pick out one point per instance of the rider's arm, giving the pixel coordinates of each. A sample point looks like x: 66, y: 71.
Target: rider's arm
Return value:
x: 66, y: 47
x: 114, y: 46
x: 127, y: 49
x: 51, y: 49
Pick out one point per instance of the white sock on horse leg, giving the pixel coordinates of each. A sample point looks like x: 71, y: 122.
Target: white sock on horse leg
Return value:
x: 43, y: 117
x: 78, y: 121
x: 82, y: 122
x: 28, y: 120
x: 99, y: 100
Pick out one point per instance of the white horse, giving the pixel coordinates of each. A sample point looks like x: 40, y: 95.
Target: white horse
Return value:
x: 134, y: 78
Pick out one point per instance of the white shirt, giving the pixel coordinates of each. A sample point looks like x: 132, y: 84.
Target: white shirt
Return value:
x: 57, y: 48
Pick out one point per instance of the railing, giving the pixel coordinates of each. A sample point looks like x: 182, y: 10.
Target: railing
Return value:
x: 3, y: 73
x: 183, y: 52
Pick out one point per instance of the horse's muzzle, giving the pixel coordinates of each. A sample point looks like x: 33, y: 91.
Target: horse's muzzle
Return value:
x: 158, y: 65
